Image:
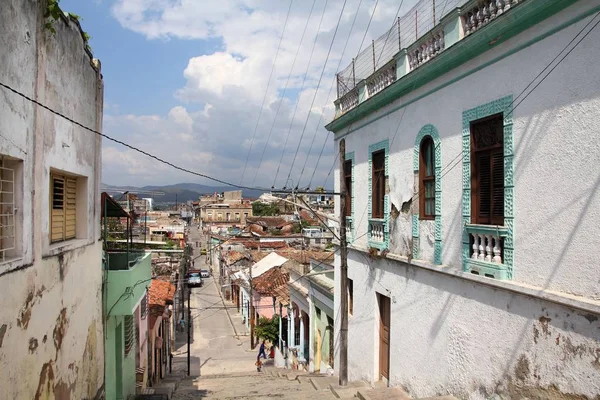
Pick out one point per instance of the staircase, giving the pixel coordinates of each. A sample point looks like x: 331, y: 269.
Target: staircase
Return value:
x: 283, y: 384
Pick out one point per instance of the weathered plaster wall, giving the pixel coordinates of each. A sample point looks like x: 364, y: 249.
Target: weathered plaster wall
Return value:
x: 450, y: 334
x: 453, y: 336
x: 51, y: 330
x: 553, y: 228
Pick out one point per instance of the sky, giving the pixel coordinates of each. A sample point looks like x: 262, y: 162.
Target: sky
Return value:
x: 209, y: 85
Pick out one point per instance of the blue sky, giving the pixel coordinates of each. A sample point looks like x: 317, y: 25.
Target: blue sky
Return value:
x: 185, y: 80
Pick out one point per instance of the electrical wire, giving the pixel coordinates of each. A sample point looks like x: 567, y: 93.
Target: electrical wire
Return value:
x: 105, y: 136
x: 314, y: 97
x: 329, y: 94
x: 288, y: 80
x: 267, y: 89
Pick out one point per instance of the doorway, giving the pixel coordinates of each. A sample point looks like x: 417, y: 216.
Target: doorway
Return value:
x: 384, y: 336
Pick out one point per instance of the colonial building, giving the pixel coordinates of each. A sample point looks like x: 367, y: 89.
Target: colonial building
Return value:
x: 51, y: 320
x: 472, y: 208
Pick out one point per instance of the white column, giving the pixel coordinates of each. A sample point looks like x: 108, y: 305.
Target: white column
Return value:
x: 301, y: 352
x: 280, y: 327
x: 292, y: 330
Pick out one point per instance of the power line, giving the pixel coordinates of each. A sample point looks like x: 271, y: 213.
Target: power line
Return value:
x: 288, y: 79
x: 186, y: 170
x: 329, y: 94
x: 267, y: 89
x: 316, y: 91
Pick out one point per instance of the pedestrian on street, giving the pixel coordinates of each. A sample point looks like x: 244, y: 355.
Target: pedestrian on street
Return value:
x: 258, y: 364
x: 261, y: 351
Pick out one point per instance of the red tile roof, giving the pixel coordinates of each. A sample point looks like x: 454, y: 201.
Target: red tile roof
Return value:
x: 269, y: 281
x: 271, y: 222
x: 232, y: 256
x: 304, y: 256
x: 160, y: 292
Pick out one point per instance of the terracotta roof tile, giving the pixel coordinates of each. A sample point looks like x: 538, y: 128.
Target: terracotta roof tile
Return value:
x: 304, y: 256
x: 271, y: 222
x: 270, y: 280
x: 160, y: 292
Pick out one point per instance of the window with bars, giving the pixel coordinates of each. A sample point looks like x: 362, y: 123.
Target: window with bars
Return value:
x: 63, y: 212
x: 144, y: 306
x: 378, y: 183
x: 7, y: 210
x: 487, y: 166
x: 130, y: 334
x: 427, y: 179
x: 348, y: 181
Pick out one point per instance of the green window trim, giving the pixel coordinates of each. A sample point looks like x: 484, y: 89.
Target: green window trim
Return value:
x: 506, y: 269
x: 350, y: 220
x: 431, y: 131
x: 382, y: 145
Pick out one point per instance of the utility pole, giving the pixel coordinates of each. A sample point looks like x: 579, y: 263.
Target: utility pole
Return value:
x: 189, y: 330
x: 343, y: 270
x: 251, y: 313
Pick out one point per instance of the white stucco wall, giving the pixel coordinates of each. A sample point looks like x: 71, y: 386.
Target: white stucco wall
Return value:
x: 451, y: 334
x: 51, y: 330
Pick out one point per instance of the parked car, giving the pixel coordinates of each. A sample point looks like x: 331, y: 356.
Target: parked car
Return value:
x: 195, y: 279
x: 203, y: 252
x: 204, y: 273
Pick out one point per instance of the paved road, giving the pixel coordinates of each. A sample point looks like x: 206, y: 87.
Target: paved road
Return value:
x: 215, y: 347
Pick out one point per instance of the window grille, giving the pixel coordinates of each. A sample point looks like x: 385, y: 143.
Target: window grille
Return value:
x: 130, y: 336
x: 7, y: 211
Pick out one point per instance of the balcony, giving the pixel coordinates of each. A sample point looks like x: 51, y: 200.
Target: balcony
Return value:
x: 486, y: 251
x: 418, y: 37
x: 379, y: 235
x: 127, y: 272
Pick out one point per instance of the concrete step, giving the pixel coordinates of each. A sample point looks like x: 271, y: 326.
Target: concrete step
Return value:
x: 438, y: 398
x: 348, y: 391
x: 382, y: 393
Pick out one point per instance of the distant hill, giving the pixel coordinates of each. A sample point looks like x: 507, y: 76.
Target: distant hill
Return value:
x: 182, y: 192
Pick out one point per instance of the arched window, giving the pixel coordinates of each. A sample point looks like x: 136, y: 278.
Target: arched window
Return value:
x: 427, y: 179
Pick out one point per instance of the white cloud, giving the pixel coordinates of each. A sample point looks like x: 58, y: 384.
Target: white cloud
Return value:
x: 229, y: 86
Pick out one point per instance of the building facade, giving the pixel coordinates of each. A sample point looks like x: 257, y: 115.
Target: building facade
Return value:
x: 469, y: 212
x: 51, y: 322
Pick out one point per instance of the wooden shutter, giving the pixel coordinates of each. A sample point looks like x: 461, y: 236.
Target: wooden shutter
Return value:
x: 497, y: 195
x: 378, y: 183
x: 348, y: 180
x: 57, y: 218
x: 63, y: 208
x: 70, y: 207
x: 427, y: 179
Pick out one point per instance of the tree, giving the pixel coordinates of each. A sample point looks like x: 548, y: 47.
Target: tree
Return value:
x: 267, y: 328
x: 264, y: 210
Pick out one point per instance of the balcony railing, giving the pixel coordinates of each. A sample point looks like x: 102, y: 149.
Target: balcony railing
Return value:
x: 381, y: 79
x: 480, y: 14
x: 349, y: 101
x: 122, y: 260
x: 426, y: 50
x: 378, y: 234
x: 486, y: 244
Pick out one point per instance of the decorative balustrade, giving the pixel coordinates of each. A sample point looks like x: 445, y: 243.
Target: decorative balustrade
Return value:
x: 485, y: 11
x: 377, y: 232
x: 349, y: 228
x: 425, y: 51
x: 486, y: 247
x: 381, y: 79
x: 349, y: 100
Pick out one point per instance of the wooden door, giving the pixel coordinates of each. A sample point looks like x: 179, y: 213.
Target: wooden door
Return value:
x: 384, y: 336
x: 318, y: 350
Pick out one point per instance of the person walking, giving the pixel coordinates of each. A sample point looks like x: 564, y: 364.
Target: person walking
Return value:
x: 261, y: 350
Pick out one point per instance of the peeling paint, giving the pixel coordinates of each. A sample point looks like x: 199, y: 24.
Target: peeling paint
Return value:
x: 60, y: 329
x: 551, y: 392
x: 33, y: 345
x: 591, y: 318
x: 522, y: 370
x: 544, y: 321
x: 25, y: 316
x: 45, y: 382
x: 2, y: 333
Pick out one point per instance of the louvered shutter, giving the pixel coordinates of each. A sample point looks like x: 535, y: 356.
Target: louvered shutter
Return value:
x: 57, y: 218
x: 485, y: 187
x: 497, y: 195
x: 70, y: 207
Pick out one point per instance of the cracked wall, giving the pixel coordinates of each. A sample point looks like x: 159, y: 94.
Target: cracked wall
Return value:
x: 51, y: 332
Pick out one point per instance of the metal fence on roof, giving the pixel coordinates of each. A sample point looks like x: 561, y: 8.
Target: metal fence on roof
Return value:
x: 405, y: 31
